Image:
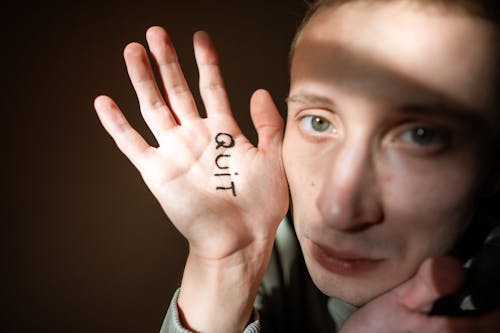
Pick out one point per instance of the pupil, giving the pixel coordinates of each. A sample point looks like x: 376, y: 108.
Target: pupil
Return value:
x: 319, y: 124
x: 423, y: 136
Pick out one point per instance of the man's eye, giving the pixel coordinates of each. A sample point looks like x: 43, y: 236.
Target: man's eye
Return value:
x: 422, y: 136
x: 316, y: 124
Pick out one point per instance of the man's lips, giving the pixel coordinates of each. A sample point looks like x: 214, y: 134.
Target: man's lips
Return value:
x: 341, y: 261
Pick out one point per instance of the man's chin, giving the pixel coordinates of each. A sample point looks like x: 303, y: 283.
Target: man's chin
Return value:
x: 353, y: 291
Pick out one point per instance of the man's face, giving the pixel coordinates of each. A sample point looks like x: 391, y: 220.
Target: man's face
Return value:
x: 389, y: 111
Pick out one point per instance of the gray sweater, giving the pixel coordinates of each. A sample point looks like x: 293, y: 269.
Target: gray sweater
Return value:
x: 287, y: 300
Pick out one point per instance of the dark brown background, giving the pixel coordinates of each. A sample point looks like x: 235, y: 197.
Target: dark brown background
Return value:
x: 85, y: 247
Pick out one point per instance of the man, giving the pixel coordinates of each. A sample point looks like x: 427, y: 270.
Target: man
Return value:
x: 391, y: 123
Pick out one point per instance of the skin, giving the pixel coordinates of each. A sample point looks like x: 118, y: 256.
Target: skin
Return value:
x: 231, y: 237
x: 362, y: 180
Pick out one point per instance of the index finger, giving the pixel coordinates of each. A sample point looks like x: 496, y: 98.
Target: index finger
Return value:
x: 486, y: 323
x: 436, y: 277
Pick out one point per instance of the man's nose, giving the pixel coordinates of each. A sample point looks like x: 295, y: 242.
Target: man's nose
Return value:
x: 350, y: 198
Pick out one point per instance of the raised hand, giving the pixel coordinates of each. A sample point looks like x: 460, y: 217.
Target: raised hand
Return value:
x: 219, y: 190
x: 223, y: 194
x: 406, y: 308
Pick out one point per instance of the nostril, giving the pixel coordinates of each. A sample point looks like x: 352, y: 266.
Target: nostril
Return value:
x: 349, y: 197
x: 351, y: 215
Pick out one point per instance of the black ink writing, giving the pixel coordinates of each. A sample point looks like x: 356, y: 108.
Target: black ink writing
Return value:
x: 228, y: 188
x: 224, y: 140
x: 217, y: 159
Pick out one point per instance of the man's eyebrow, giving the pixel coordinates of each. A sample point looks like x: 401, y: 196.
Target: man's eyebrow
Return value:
x: 468, y: 116
x: 307, y: 98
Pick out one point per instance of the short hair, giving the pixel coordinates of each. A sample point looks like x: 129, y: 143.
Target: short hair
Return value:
x: 486, y: 9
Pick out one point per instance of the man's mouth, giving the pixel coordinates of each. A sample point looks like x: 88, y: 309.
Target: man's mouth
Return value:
x: 343, y: 262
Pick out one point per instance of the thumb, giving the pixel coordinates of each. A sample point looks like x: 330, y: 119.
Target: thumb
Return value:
x: 266, y: 119
x: 436, y: 277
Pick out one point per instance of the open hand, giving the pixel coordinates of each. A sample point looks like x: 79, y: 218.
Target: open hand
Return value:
x: 221, y: 192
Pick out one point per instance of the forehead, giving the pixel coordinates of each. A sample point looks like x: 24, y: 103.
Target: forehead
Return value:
x: 398, y: 49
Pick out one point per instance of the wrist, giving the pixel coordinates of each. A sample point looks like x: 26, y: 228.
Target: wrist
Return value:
x: 218, y: 295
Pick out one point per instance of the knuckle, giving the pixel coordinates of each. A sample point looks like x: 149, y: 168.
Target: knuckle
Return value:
x: 177, y: 88
x: 214, y: 86
x: 156, y: 105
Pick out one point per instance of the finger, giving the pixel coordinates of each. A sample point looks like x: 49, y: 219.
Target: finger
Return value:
x: 266, y: 119
x: 212, y: 88
x: 436, y: 277
x: 177, y: 92
x: 153, y: 107
x: 127, y: 139
x: 487, y: 323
